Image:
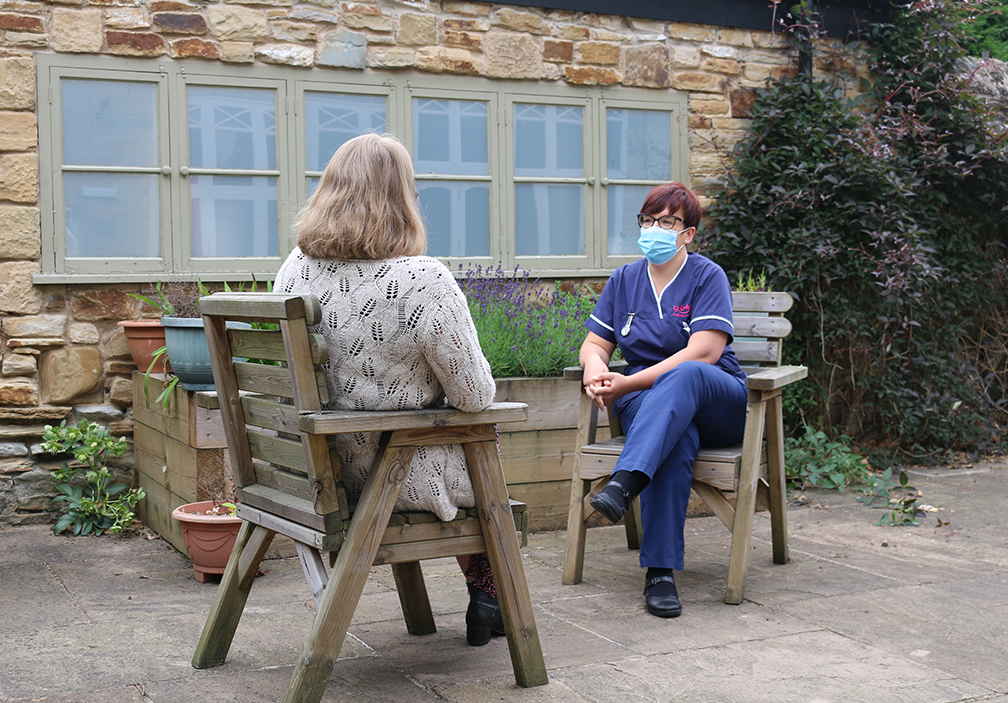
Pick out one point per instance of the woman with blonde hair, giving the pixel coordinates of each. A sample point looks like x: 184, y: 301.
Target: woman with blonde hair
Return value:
x: 398, y: 329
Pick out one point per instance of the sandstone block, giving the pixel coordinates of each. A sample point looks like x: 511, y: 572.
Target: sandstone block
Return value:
x: 647, y: 65
x: 686, y: 57
x: 17, y: 83
x: 126, y: 18
x: 729, y: 125
x: 243, y: 24
x: 76, y: 31
x: 768, y: 40
x: 380, y: 39
x: 34, y: 490
x: 778, y: 72
x: 358, y: 16
x: 720, y: 52
x: 457, y: 25
x: 560, y: 15
x: 23, y: 40
x: 311, y: 15
x: 705, y: 106
x: 237, y: 52
x: 34, y: 326
x: 84, y: 333
x: 756, y: 73
x: 643, y: 26
x: 116, y: 346
x: 18, y: 131
x: 286, y: 54
x: 13, y: 449
x: 68, y: 373
x: 742, y: 101
x: 196, y: 48
x: 102, y: 304
x: 727, y: 67
x: 599, y: 34
x: 19, y: 178
x: 343, y: 49
x: 590, y: 76
x: 297, y: 32
x: 19, y: 365
x: 120, y: 367
x: 121, y: 391
x: 416, y: 29
x: 512, y: 55
x: 179, y: 23
x: 437, y: 59
x: 17, y: 294
x: 22, y: 344
x: 599, y: 53
x: 734, y: 37
x: 521, y: 22
x: 171, y: 6
x: 470, y: 9
x: 694, y: 81
x: 20, y: 23
x: 572, y: 32
x: 692, y: 32
x: 390, y: 57
x: 10, y: 466
x: 99, y: 413
x: 558, y: 51
x: 464, y: 40
x: 18, y: 391
x: 134, y: 43
x: 611, y: 22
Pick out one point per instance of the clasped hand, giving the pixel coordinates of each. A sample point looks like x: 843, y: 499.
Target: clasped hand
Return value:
x: 606, y: 387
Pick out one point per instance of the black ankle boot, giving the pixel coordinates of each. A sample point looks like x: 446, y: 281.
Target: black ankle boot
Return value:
x: 483, y: 618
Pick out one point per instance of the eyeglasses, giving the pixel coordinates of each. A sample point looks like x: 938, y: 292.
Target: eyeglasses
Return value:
x: 667, y: 222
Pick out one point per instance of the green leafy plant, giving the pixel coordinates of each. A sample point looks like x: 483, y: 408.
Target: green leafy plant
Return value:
x: 175, y: 298
x: 897, y: 498
x: 751, y: 283
x: 95, y: 504
x: 525, y: 328
x: 815, y: 460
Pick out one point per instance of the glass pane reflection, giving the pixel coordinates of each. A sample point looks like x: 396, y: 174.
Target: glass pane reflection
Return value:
x: 549, y: 219
x: 112, y: 215
x: 457, y: 215
x: 109, y: 123
x: 639, y: 144
x: 232, y: 128
x: 624, y: 204
x: 234, y: 216
x: 334, y: 118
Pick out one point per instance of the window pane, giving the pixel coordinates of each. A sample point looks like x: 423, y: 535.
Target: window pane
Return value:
x: 639, y: 144
x: 232, y: 128
x: 450, y: 137
x: 234, y: 216
x: 333, y: 119
x: 109, y: 123
x: 549, y: 219
x: 112, y: 215
x: 624, y: 204
x: 457, y: 215
x: 549, y: 141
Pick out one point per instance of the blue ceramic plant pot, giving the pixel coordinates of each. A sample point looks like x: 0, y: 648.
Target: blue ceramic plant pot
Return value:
x: 188, y: 351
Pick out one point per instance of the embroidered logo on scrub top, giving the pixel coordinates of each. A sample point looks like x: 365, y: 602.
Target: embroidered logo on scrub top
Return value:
x: 681, y: 310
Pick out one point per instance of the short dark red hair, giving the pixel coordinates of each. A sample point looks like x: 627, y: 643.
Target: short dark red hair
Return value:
x: 674, y: 196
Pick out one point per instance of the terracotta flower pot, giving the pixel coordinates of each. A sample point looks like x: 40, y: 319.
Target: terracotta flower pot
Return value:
x: 144, y: 337
x: 209, y: 539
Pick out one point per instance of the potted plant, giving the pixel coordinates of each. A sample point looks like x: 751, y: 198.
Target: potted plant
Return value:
x: 209, y: 530
x: 144, y: 338
x: 95, y: 503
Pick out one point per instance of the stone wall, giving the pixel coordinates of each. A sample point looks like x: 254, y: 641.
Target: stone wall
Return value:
x: 63, y: 357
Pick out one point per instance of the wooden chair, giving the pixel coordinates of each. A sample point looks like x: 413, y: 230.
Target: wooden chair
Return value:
x: 750, y: 470
x: 289, y: 483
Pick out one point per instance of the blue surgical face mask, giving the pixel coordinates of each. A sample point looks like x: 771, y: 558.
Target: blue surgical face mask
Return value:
x: 658, y: 245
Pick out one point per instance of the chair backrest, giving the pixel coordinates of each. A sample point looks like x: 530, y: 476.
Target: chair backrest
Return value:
x: 265, y: 377
x: 760, y: 327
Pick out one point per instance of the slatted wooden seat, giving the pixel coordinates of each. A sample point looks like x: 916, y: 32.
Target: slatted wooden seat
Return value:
x: 754, y: 469
x: 289, y: 483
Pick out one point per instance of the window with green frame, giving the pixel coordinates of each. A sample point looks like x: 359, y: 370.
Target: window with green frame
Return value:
x: 173, y: 167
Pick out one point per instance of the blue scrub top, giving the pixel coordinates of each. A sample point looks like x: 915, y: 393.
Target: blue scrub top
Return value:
x: 649, y: 326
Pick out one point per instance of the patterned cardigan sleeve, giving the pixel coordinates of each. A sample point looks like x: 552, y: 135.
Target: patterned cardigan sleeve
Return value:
x: 451, y: 347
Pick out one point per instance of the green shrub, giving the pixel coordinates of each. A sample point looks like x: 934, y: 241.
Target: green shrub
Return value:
x: 814, y: 460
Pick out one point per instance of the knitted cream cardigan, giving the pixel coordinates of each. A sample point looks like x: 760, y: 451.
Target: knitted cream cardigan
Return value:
x: 400, y: 337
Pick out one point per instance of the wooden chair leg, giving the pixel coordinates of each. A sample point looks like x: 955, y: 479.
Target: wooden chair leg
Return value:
x: 349, y: 574
x: 506, y: 561
x: 633, y: 524
x: 232, y: 594
x: 777, y: 480
x: 745, y: 501
x: 573, y: 566
x: 413, y: 598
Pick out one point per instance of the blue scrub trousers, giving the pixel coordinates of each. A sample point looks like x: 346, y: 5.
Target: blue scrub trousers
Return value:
x: 694, y: 404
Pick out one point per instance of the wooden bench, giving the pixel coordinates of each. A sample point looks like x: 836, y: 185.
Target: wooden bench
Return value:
x: 288, y: 483
x: 754, y: 469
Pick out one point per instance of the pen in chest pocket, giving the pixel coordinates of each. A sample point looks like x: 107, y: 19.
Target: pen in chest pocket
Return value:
x: 626, y: 326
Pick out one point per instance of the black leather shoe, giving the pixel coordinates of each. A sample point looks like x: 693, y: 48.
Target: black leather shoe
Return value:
x: 661, y: 597
x: 483, y: 618
x: 612, y: 501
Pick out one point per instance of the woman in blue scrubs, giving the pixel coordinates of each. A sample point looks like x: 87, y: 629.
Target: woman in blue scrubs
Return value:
x: 670, y: 315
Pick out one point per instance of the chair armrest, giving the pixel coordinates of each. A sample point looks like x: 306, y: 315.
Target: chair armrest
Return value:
x: 328, y: 422
x: 576, y: 373
x: 774, y: 378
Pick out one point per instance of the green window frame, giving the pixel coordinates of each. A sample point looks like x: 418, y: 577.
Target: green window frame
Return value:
x: 546, y: 213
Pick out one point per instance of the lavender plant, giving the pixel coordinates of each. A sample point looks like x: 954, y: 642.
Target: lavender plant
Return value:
x: 524, y: 327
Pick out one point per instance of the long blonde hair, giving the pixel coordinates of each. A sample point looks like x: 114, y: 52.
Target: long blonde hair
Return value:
x: 365, y: 206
